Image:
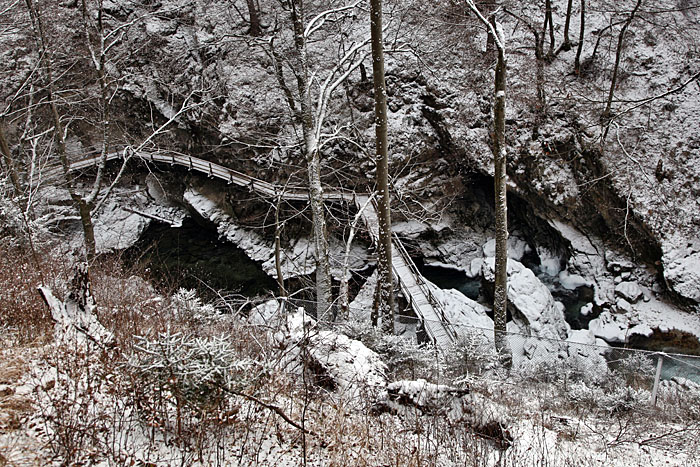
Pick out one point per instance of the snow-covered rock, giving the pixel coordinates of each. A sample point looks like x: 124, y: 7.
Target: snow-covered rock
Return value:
x: 475, y: 268
x: 123, y: 219
x: 517, y: 248
x: 532, y: 300
x: 611, y: 327
x: 339, y: 363
x: 644, y: 318
x: 623, y: 306
x: 459, y: 249
x: 682, y: 268
x: 409, y: 229
x: 630, y: 291
x: 572, y: 281
x: 586, y: 309
x: 586, y: 261
x: 117, y: 228
x: 465, y: 315
x: 459, y: 405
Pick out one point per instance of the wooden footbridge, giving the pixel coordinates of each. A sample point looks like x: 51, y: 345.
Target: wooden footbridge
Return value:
x: 413, y: 285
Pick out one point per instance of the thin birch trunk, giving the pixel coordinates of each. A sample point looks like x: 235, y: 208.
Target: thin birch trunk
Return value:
x: 500, y: 300
x: 618, y: 54
x: 278, y: 250
x: 386, y: 282
x: 581, y: 33
x: 313, y: 161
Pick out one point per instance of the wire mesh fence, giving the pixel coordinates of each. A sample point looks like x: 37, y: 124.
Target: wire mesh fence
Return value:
x: 216, y: 387
x: 539, y: 358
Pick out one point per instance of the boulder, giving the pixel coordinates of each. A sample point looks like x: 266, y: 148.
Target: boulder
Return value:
x: 623, y: 306
x: 466, y: 316
x: 629, y: 291
x: 335, y: 361
x: 517, y: 248
x: 612, y: 328
x: 681, y: 265
x: 531, y: 301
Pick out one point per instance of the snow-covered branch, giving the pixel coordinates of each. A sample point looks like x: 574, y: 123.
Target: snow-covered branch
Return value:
x: 319, y: 20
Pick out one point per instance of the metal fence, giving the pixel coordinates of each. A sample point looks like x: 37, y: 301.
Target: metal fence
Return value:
x: 535, y: 357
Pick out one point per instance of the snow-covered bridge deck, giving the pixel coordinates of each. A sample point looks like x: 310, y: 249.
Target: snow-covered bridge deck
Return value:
x: 414, y: 287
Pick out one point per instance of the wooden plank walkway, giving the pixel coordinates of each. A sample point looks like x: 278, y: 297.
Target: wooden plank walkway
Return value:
x: 414, y: 287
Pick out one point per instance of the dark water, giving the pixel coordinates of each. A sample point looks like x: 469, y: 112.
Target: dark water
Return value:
x: 685, y: 367
x: 573, y: 300
x: 447, y: 278
x: 192, y: 256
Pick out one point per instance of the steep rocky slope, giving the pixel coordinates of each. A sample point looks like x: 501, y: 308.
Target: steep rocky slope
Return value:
x: 592, y: 194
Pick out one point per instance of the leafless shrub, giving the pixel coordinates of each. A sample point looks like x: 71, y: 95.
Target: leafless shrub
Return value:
x: 404, y: 358
x: 472, y: 355
x: 637, y: 370
x: 75, y: 398
x: 22, y: 310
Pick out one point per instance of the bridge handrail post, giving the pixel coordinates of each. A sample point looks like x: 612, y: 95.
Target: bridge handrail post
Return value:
x: 210, y: 171
x: 190, y: 160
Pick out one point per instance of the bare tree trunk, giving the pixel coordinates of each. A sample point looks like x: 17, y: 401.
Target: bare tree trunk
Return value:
x: 323, y: 273
x: 278, y: 251
x: 618, y: 54
x: 500, y: 300
x: 313, y: 161
x: 567, y: 42
x: 382, y: 162
x: 343, y: 295
x: 255, y: 29
x: 549, y: 22
x: 84, y: 209
x: 581, y: 33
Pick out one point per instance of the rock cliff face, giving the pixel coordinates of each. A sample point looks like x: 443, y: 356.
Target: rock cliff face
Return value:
x: 609, y: 200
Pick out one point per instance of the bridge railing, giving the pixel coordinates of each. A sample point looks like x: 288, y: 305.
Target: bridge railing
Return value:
x: 420, y: 281
x: 212, y: 169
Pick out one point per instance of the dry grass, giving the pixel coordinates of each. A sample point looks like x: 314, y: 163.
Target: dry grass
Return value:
x: 22, y: 311
x: 124, y: 416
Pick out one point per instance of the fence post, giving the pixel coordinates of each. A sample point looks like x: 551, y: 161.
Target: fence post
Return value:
x: 657, y: 377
